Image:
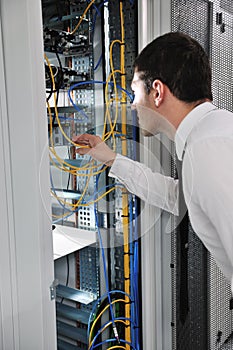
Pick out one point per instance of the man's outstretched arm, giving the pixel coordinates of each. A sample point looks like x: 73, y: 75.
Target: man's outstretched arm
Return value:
x: 152, y: 187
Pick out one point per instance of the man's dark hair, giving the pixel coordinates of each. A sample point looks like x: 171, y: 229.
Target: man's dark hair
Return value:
x: 178, y: 61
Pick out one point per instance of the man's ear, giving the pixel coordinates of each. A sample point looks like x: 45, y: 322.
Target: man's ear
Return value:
x: 158, y: 92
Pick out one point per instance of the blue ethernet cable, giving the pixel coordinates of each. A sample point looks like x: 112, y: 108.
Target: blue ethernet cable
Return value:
x: 99, y: 300
x: 102, y: 328
x: 111, y: 341
x: 104, y: 266
x: 93, y: 82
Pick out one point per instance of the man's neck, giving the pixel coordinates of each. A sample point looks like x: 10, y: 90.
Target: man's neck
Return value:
x: 180, y: 110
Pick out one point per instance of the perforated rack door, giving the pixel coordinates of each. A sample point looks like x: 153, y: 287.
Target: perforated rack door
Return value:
x: 219, y: 293
x: 207, y: 323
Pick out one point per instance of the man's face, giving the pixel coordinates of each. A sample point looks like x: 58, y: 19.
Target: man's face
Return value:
x: 144, y: 104
x: 140, y: 95
x: 150, y: 119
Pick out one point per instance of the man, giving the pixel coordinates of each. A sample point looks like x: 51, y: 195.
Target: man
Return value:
x: 172, y: 78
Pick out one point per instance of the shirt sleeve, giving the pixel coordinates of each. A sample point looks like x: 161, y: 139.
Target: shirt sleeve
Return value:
x: 152, y: 187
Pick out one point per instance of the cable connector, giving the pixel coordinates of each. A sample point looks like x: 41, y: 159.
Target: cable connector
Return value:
x: 116, y: 333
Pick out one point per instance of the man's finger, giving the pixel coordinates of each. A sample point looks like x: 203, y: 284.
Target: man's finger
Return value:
x: 80, y: 140
x: 82, y: 151
x: 87, y: 139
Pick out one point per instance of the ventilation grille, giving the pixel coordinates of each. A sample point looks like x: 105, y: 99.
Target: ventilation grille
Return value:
x: 201, y: 296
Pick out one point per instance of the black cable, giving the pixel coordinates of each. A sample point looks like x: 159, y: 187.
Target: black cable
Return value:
x: 51, y: 91
x: 59, y: 84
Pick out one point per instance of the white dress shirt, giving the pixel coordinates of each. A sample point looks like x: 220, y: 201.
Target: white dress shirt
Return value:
x: 204, y: 141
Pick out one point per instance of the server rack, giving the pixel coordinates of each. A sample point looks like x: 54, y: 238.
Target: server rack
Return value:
x: 89, y: 52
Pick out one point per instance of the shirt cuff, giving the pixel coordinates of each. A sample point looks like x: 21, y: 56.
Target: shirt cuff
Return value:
x: 120, y: 168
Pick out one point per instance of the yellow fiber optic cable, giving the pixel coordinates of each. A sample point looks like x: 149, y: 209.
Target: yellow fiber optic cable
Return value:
x: 79, y: 200
x: 83, y: 204
x: 101, y: 313
x: 112, y: 74
x: 73, y: 172
x: 106, y: 326
x: 82, y: 17
x: 111, y: 133
x: 61, y: 161
x: 55, y: 105
x: 107, y: 100
x: 125, y: 212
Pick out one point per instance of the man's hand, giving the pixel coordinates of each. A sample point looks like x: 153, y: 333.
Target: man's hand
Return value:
x: 94, y: 147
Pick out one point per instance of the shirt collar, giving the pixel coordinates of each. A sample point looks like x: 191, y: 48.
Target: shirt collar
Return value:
x: 188, y: 123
